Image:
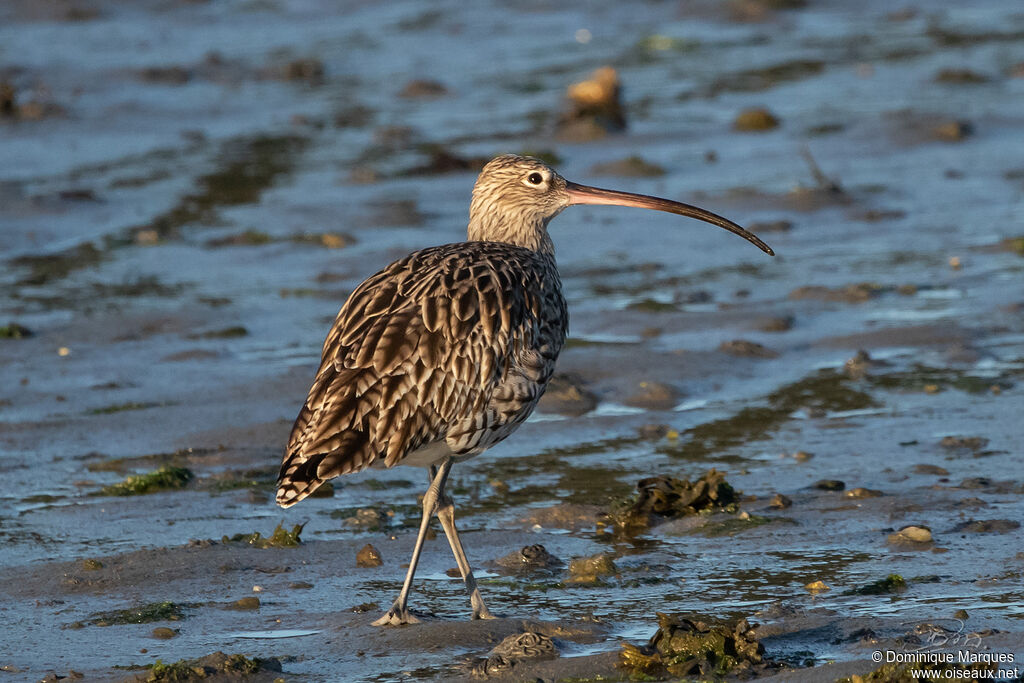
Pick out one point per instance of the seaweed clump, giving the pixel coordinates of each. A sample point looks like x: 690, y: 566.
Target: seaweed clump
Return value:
x: 143, y: 614
x: 280, y: 538
x: 894, y: 583
x: 666, y: 497
x: 164, y: 479
x: 682, y: 648
x: 214, y: 664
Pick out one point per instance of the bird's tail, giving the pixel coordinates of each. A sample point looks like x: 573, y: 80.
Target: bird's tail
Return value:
x: 302, y: 474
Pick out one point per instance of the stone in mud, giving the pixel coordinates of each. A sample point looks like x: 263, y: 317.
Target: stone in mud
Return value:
x: 818, y: 586
x: 630, y: 167
x: 530, y: 558
x: 860, y: 492
x: 682, y: 648
x: 861, y: 363
x: 567, y: 394
x: 653, y: 396
x: 987, y: 526
x: 248, y: 603
x: 747, y: 349
x: 774, y: 323
x: 368, y: 556
x: 309, y: 69
x: 953, y: 131
x: 852, y: 294
x: 924, y: 468
x: 591, y: 569
x: 960, y: 77
x: 972, y: 443
x: 8, y: 100
x: 668, y: 497
x: 91, y: 565
x: 423, y: 88
x: 164, y: 633
x: 911, y: 534
x: 755, y: 120
x: 595, y: 107
x: 780, y: 502
x: 829, y: 485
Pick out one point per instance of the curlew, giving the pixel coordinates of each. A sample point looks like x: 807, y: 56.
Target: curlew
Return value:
x: 446, y: 352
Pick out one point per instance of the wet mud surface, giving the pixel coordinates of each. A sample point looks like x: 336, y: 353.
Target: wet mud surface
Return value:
x: 190, y: 190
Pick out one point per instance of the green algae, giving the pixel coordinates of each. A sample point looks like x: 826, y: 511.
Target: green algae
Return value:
x: 143, y: 614
x: 218, y: 663
x: 46, y: 268
x: 280, y: 538
x: 932, y: 380
x: 167, y: 478
x: 894, y: 583
x: 247, y: 167
x: 122, y: 407
x: 825, y: 390
x: 684, y: 648
x: 14, y: 331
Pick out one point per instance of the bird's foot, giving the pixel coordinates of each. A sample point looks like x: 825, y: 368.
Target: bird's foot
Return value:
x: 483, y: 614
x: 398, y: 615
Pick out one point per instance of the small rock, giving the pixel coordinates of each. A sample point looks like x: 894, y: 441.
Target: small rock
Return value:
x: 829, y: 485
x: 422, y: 88
x: 780, y: 502
x: 755, y: 120
x: 590, y: 569
x: 300, y: 585
x: 961, y: 614
x: 567, y: 395
x: 861, y: 492
x: 91, y: 565
x: 817, y: 587
x: 782, y: 323
x: 924, y: 468
x: 530, y: 557
x: 960, y: 77
x: 988, y: 526
x: 747, y: 349
x: 911, y: 534
x: 164, y: 633
x: 953, y: 131
x: 757, y: 227
x: 310, y: 70
x: 653, y: 396
x: 802, y: 456
x: 973, y: 443
x: 249, y: 603
x: 368, y: 556
x: 630, y: 167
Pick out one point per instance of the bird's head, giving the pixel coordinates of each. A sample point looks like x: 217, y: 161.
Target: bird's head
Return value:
x: 515, y: 197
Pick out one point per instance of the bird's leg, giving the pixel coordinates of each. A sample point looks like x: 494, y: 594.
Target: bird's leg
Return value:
x: 399, y: 612
x: 446, y: 515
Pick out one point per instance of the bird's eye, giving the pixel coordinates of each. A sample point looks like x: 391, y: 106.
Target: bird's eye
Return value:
x: 535, y: 178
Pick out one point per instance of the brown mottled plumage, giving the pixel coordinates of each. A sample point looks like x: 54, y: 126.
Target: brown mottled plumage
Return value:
x: 446, y: 352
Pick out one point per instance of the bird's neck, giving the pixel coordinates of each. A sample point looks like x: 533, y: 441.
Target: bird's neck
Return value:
x: 489, y: 226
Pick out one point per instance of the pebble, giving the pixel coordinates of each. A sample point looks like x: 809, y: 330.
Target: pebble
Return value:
x: 780, y: 502
x: 251, y: 602
x: 829, y: 485
x: 164, y: 633
x: 861, y: 492
x: 368, y: 556
x: 911, y: 534
x: 755, y: 120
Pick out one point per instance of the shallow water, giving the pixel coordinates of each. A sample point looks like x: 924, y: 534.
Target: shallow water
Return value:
x: 188, y: 331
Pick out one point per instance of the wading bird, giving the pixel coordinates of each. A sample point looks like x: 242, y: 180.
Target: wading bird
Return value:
x: 446, y: 352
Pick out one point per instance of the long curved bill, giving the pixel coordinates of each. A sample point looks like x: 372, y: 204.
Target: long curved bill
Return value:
x: 583, y: 194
